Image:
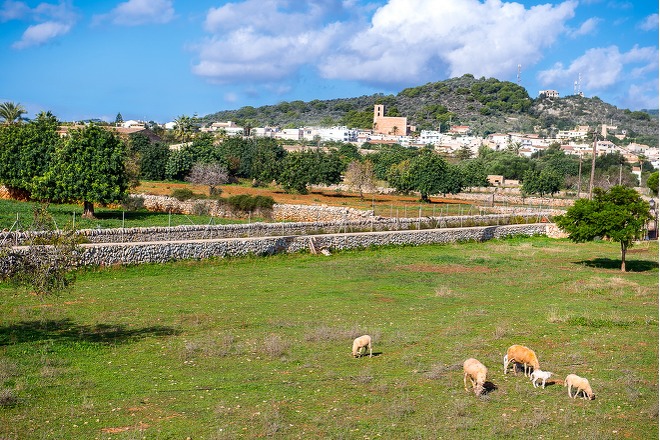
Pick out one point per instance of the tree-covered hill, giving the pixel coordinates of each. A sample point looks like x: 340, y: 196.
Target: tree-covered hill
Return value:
x: 486, y: 105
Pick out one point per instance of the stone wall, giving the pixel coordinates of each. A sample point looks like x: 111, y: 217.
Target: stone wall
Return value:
x: 280, y: 212
x: 489, y: 196
x: 160, y: 252
x: 259, y: 229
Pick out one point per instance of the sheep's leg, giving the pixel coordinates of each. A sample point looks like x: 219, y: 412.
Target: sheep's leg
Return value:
x: 465, y: 381
x: 370, y: 351
x: 506, y: 363
x: 543, y: 383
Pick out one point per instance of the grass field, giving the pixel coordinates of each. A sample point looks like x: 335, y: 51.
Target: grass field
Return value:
x: 260, y: 347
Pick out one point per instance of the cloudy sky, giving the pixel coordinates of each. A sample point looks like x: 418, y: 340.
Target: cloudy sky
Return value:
x: 159, y: 59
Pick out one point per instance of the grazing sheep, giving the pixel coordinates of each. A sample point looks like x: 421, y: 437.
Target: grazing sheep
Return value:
x: 538, y: 374
x: 477, y: 372
x: 521, y: 355
x: 363, y: 342
x: 581, y: 384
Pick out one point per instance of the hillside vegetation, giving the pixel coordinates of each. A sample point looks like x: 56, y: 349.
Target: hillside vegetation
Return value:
x: 487, y: 105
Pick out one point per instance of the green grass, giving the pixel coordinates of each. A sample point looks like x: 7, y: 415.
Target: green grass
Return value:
x: 15, y: 214
x: 259, y: 347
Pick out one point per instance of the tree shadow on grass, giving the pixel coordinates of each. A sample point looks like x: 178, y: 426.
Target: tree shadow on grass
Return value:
x: 631, y: 265
x: 67, y: 330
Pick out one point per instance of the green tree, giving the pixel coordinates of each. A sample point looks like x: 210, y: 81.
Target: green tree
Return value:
x: 11, y: 112
x: 430, y: 174
x: 546, y: 181
x: 89, y: 166
x: 154, y: 157
x: 302, y: 168
x: 652, y: 182
x: 119, y: 119
x: 26, y: 151
x: 266, y: 163
x: 619, y: 214
x: 388, y: 156
x: 474, y: 173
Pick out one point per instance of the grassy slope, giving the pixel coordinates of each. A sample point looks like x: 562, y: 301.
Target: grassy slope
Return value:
x: 261, y: 346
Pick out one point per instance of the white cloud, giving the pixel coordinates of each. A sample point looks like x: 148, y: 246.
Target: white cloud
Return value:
x: 12, y: 10
x: 641, y: 96
x: 586, y: 28
x: 139, y: 12
x: 602, y: 68
x: 54, y: 20
x: 650, y: 23
x: 256, y: 41
x: 407, y: 41
x: 416, y: 40
x: 40, y: 33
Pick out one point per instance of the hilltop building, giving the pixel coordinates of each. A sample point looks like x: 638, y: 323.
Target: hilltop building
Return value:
x: 549, y: 93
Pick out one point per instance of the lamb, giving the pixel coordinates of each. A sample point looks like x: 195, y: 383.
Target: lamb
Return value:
x: 522, y: 355
x: 363, y: 342
x: 477, y: 372
x: 538, y: 374
x: 581, y: 384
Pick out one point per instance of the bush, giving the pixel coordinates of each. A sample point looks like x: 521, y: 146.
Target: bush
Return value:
x: 247, y: 203
x: 200, y: 208
x: 182, y: 194
x: 134, y: 203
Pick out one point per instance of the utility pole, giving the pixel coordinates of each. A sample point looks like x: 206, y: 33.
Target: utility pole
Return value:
x: 593, y: 166
x: 579, y: 177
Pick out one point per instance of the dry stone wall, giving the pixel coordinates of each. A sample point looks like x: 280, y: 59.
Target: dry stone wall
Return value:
x: 160, y: 252
x: 260, y: 229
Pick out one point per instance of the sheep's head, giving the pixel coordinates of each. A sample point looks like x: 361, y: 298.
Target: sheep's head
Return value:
x: 590, y: 395
x: 479, y: 389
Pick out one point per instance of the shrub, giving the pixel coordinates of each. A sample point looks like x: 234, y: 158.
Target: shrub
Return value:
x: 182, y: 194
x: 134, y: 203
x: 247, y: 203
x: 200, y: 208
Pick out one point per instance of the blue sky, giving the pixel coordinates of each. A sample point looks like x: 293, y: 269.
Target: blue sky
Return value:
x: 159, y: 59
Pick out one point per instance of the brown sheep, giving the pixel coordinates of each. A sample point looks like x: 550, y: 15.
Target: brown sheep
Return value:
x: 581, y: 384
x: 521, y: 355
x: 363, y: 342
x: 477, y: 372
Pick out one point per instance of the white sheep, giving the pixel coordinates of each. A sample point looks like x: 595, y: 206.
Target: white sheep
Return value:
x: 581, y: 384
x: 477, y: 372
x: 363, y: 342
x: 538, y: 374
x: 521, y: 355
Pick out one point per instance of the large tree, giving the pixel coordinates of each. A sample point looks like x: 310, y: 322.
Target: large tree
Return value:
x: 546, y: 181
x: 619, y: 214
x: 302, y: 168
x: 88, y: 166
x: 431, y: 174
x: 26, y: 151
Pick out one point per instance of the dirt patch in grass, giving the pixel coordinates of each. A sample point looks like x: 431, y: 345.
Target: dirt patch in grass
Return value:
x: 446, y: 269
x: 315, y: 197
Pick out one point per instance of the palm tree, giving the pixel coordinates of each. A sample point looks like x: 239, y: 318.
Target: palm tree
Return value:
x: 11, y: 112
x: 183, y: 128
